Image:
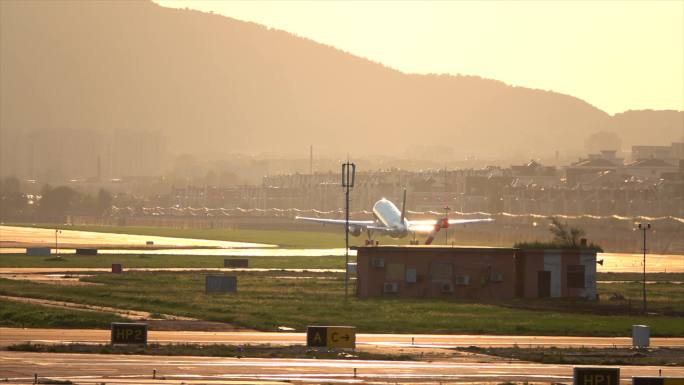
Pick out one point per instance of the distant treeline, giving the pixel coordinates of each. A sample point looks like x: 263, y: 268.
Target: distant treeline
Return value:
x: 53, y: 204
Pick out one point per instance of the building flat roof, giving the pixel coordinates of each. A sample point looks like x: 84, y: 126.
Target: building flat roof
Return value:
x: 418, y: 248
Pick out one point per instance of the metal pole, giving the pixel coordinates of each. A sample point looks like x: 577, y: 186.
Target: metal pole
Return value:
x: 348, y: 175
x: 446, y: 230
x: 644, y: 283
x: 346, y: 239
x: 643, y: 227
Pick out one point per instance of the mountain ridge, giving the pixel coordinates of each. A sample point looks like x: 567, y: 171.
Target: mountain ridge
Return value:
x: 213, y: 83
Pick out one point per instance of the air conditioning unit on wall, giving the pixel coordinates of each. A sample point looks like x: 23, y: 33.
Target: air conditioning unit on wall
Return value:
x: 496, y: 277
x: 390, y: 287
x: 378, y: 262
x: 462, y: 280
x: 446, y: 287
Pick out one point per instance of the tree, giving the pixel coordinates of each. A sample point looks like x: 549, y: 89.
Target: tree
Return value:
x: 564, y: 235
x: 13, y: 203
x: 56, y: 204
x: 104, y: 201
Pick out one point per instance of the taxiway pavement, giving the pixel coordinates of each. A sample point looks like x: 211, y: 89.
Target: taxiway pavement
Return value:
x: 9, y: 336
x: 20, y: 367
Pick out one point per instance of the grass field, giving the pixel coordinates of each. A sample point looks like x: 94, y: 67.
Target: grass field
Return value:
x: 283, y: 238
x: 268, y: 300
x: 145, y: 260
x: 661, y: 296
x: 637, y: 277
x: 23, y: 315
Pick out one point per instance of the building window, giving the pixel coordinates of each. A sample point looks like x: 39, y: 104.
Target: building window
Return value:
x: 395, y: 272
x: 441, y: 272
x: 495, y: 276
x: 462, y: 280
x: 576, y: 276
x: 411, y: 276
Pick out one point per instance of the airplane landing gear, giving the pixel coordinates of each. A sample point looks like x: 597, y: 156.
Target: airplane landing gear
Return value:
x: 370, y: 241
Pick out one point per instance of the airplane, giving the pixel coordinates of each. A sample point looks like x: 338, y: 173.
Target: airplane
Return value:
x: 390, y: 221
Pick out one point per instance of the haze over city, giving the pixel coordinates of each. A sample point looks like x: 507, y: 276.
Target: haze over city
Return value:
x: 372, y: 192
x: 215, y: 86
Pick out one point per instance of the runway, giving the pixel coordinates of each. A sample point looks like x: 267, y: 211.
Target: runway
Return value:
x: 20, y: 237
x: 19, y: 367
x: 9, y: 336
x: 15, y: 239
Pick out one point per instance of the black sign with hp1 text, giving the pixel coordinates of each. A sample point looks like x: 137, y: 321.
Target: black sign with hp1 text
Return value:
x: 596, y: 376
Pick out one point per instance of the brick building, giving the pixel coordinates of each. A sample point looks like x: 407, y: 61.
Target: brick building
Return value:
x: 474, y: 272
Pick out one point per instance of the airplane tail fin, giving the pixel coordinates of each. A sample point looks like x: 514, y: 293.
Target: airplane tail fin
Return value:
x: 441, y: 224
x: 403, y: 208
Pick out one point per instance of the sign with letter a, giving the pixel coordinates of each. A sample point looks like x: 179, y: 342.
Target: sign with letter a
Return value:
x: 316, y: 336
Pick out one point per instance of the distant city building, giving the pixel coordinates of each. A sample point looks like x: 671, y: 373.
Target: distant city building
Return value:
x: 60, y: 156
x: 672, y: 153
x: 652, y: 168
x: 534, y: 173
x: 593, y: 165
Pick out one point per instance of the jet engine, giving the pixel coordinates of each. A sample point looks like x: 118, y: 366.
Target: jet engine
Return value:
x: 355, y: 230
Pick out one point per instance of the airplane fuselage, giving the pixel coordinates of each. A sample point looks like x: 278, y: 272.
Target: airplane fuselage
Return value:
x: 389, y: 220
x: 389, y: 215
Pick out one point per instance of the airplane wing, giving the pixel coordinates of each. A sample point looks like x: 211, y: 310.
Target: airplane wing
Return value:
x: 364, y: 224
x: 426, y: 226
x: 466, y: 221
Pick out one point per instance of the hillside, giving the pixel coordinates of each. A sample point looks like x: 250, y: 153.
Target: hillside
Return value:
x: 215, y: 84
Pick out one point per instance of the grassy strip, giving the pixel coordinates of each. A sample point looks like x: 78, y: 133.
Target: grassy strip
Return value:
x: 588, y: 356
x: 283, y: 238
x: 210, y: 350
x: 24, y: 315
x: 662, y: 297
x: 162, y: 261
x: 638, y: 277
x: 616, y: 298
x: 267, y: 300
x: 210, y: 261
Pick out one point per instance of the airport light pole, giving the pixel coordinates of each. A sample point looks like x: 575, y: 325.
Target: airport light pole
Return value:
x: 348, y: 176
x: 57, y: 231
x: 446, y: 229
x: 644, y: 227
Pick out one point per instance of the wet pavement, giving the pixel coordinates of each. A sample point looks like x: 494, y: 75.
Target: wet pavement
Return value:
x: 17, y: 335
x: 12, y: 237
x: 20, y: 367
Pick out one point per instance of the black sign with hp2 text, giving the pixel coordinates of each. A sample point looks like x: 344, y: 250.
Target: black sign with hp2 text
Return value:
x: 129, y: 333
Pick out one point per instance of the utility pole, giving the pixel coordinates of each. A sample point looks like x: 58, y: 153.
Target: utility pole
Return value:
x: 57, y: 231
x: 446, y: 224
x: 644, y: 227
x: 348, y: 176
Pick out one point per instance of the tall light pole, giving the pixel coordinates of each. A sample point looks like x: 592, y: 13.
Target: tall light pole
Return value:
x: 348, y: 176
x: 446, y: 224
x: 57, y: 231
x: 644, y: 227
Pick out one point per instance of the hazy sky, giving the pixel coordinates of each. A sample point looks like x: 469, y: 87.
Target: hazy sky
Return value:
x: 616, y: 55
